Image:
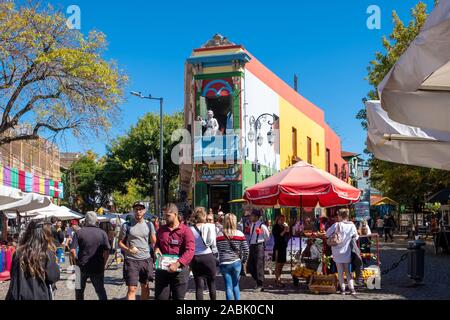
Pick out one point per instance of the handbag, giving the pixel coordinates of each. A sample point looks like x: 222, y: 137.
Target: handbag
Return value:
x: 336, y: 238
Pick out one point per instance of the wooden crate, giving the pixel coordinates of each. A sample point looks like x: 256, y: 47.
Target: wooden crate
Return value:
x: 316, y: 287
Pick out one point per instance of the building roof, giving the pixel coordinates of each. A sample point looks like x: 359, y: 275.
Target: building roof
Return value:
x: 347, y: 154
x: 384, y: 201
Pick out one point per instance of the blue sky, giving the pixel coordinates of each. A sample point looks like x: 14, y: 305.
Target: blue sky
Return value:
x: 328, y: 45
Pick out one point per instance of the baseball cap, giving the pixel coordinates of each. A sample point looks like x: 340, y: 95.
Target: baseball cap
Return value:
x: 138, y: 204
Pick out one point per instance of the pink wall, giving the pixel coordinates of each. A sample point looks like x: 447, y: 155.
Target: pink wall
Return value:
x: 333, y: 143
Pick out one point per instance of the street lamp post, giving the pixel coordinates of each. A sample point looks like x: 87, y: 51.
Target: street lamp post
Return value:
x: 161, y: 145
x: 153, y: 165
x: 255, y: 124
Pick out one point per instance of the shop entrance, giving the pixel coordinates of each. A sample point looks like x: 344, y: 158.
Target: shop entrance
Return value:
x: 219, y: 195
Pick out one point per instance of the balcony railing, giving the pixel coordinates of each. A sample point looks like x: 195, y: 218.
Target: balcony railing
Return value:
x: 217, y: 148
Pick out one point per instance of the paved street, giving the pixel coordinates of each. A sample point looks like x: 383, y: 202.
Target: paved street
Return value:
x: 395, y: 285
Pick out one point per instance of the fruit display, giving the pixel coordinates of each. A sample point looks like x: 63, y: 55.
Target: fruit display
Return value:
x: 368, y: 273
x: 323, y: 284
x: 302, y: 272
x: 366, y: 255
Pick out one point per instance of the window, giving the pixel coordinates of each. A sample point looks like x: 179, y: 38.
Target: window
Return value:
x: 328, y: 163
x: 309, y: 141
x: 317, y: 149
x: 336, y: 170
x: 344, y: 172
x: 294, y: 142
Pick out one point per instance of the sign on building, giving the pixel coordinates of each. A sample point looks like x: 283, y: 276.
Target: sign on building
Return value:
x: 362, y: 211
x: 225, y: 172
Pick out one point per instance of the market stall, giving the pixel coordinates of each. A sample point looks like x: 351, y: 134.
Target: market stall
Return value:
x: 304, y: 185
x: 62, y: 213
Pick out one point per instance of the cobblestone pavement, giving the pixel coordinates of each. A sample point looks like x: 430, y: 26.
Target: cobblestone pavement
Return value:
x: 395, y: 285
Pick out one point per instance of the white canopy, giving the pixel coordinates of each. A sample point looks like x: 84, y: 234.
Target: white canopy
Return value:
x: 9, y: 195
x: 29, y: 202
x: 109, y: 217
x: 416, y: 91
x: 395, y: 142
x: 62, y: 213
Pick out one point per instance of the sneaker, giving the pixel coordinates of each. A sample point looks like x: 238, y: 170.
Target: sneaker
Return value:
x: 353, y: 292
x: 259, y: 289
x: 341, y: 291
x: 205, y: 292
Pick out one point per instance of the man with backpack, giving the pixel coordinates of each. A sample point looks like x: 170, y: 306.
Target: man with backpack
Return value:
x: 135, y: 239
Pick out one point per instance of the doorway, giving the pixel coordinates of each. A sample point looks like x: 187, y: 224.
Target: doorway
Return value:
x: 219, y: 195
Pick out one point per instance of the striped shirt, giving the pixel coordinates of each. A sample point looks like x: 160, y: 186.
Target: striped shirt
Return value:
x: 226, y: 253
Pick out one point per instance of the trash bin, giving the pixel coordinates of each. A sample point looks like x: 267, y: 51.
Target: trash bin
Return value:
x: 416, y: 260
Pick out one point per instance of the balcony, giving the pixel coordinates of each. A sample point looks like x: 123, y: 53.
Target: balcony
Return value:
x: 221, y: 149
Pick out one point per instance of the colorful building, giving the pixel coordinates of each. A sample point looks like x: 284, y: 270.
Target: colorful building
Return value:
x: 32, y: 166
x: 227, y: 79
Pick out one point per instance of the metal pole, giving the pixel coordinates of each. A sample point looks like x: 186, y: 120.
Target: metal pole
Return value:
x: 256, y: 151
x: 155, y: 194
x: 161, y: 157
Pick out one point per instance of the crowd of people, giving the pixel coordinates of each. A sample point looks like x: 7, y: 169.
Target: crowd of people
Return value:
x: 197, y: 245
x: 200, y: 244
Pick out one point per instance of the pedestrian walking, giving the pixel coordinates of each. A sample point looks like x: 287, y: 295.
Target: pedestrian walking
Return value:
x: 339, y: 237
x: 175, y: 242
x: 380, y: 226
x: 34, y: 270
x: 233, y: 254
x: 259, y: 235
x: 58, y: 233
x: 135, y: 239
x: 203, y: 264
x: 281, y: 237
x: 389, y: 225
x: 93, y: 247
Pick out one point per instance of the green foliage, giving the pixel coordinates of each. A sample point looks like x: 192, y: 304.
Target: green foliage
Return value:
x: 408, y: 185
x: 83, y: 182
x: 124, y: 201
x: 129, y: 156
x: 53, y: 79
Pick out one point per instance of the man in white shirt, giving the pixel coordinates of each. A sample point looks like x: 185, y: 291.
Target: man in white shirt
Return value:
x: 259, y: 234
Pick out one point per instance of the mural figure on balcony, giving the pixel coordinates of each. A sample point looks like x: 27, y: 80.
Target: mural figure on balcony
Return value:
x: 211, y: 124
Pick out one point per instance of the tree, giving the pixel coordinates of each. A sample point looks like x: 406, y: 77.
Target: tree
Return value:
x: 129, y: 156
x: 124, y: 201
x: 84, y: 185
x: 53, y: 79
x: 406, y: 184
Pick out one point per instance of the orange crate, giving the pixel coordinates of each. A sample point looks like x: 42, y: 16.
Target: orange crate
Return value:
x: 317, y: 284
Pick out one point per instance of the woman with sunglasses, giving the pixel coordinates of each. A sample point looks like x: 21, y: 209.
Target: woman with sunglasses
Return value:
x: 34, y: 266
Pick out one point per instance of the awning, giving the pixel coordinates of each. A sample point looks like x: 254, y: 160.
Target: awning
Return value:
x: 416, y: 91
x: 395, y: 142
x: 9, y: 195
x: 29, y: 202
x: 385, y: 201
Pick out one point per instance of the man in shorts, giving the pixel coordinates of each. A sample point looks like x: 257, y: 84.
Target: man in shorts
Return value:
x: 135, y: 239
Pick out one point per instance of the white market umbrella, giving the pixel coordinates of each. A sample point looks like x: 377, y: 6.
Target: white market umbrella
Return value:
x: 29, y: 202
x: 395, y: 142
x: 416, y: 91
x: 62, y: 213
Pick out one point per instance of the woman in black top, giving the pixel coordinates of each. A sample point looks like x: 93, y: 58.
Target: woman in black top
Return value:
x: 280, y: 233
x: 34, y: 269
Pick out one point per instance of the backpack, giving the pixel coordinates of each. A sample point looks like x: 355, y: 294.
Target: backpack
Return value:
x: 336, y: 238
x: 127, y: 232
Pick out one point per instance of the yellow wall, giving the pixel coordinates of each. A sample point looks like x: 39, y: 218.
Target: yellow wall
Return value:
x: 292, y: 117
